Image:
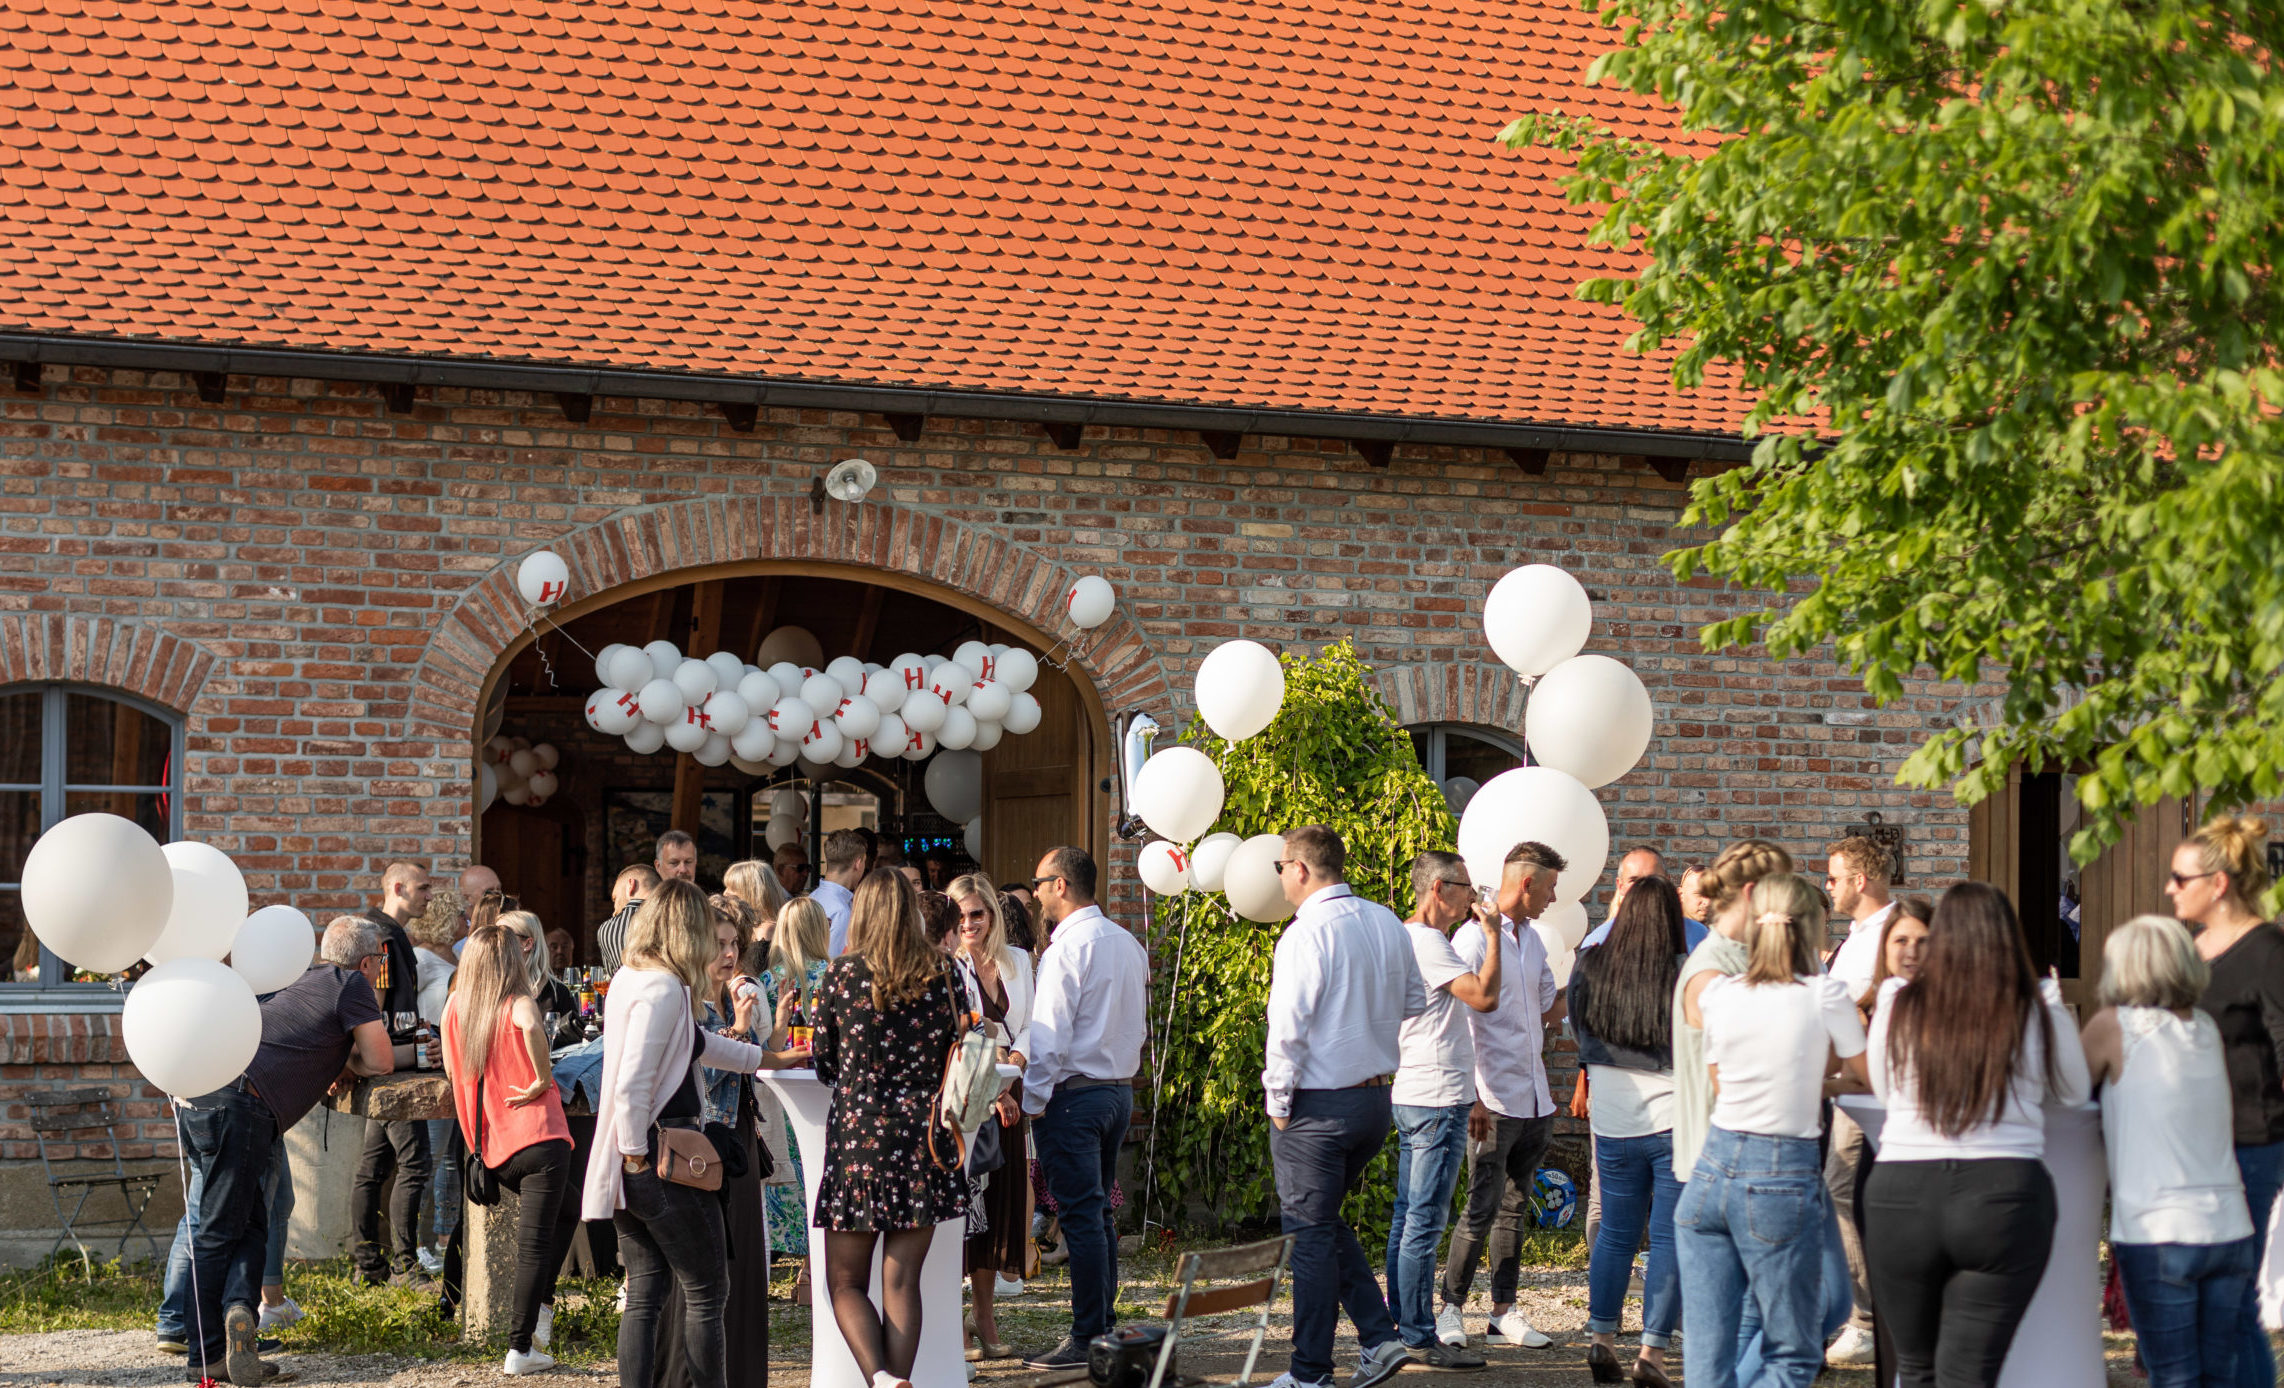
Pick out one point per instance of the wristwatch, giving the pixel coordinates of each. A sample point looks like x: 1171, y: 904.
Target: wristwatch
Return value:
x: 635, y: 1162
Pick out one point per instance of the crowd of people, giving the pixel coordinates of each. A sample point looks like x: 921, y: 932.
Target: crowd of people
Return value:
x: 1720, y: 1035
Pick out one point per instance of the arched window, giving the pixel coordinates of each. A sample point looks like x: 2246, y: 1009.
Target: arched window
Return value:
x: 70, y: 749
x: 1466, y: 754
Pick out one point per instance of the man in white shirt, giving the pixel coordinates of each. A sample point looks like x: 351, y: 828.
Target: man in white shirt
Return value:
x: 1087, y: 1022
x: 1340, y: 988
x: 1434, y: 1095
x: 1515, y: 1111
x: 1856, y: 876
x: 843, y: 853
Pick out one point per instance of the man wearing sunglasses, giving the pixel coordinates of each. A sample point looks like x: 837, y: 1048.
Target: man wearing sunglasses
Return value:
x: 1341, y: 986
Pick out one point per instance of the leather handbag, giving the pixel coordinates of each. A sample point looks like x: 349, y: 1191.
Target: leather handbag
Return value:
x: 478, y: 1181
x: 686, y: 1156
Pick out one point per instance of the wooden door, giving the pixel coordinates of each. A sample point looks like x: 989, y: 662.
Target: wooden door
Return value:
x: 1039, y: 789
x: 540, y: 856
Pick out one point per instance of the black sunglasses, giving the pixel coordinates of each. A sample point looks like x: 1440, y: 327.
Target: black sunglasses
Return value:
x: 1037, y: 882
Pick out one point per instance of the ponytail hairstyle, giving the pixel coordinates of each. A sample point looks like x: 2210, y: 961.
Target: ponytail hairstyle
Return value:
x: 1957, y: 1030
x: 1740, y: 865
x: 1631, y: 975
x: 1787, y: 926
x: 2237, y: 846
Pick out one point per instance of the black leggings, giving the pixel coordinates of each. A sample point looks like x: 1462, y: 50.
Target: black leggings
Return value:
x: 1956, y: 1250
x: 546, y: 1220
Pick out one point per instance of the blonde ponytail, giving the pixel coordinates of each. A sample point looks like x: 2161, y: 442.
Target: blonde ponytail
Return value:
x: 1740, y: 865
x: 2238, y: 846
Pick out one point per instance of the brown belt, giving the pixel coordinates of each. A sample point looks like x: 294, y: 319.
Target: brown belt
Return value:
x: 1376, y: 1082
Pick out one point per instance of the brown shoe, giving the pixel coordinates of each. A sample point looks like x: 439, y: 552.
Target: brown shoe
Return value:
x: 1648, y: 1375
x: 1603, y: 1363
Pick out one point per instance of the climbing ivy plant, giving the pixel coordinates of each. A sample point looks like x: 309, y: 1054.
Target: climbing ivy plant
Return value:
x: 1334, y: 756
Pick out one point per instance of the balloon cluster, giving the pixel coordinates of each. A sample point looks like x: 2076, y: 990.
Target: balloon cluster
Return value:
x: 100, y: 892
x: 517, y: 770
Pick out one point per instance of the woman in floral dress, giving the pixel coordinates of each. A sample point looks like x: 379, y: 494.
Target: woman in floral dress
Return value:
x: 885, y: 1019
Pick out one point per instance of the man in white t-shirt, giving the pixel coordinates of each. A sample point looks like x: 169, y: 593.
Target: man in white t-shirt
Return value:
x: 1856, y: 875
x: 1434, y: 1094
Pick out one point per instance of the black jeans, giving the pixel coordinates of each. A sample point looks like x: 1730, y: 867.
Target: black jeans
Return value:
x: 1502, y: 1175
x: 1319, y: 1156
x: 1955, y: 1250
x: 401, y: 1148
x: 230, y: 1137
x: 546, y: 1220
x: 665, y: 1231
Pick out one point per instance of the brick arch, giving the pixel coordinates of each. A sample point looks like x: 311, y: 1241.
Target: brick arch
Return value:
x: 86, y: 649
x: 729, y: 533
x: 1475, y: 692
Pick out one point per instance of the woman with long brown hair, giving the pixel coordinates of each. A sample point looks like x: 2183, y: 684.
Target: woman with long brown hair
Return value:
x: 885, y: 1019
x: 1959, y: 1210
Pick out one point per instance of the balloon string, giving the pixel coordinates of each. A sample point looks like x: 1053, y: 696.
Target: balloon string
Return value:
x: 1164, y: 1043
x: 190, y: 1216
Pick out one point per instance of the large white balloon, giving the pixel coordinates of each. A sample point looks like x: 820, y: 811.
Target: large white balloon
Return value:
x: 889, y: 739
x: 795, y: 644
x: 1536, y: 618
x: 714, y: 751
x: 789, y: 677
x: 487, y: 786
x: 696, y: 679
x: 976, y: 656
x: 1458, y: 791
x: 687, y: 736
x: 788, y: 803
x: 918, y: 745
x: 97, y: 890
x: 1209, y: 859
x: 1016, y: 668
x: 191, y: 1026
x: 665, y: 659
x: 857, y: 716
x: 790, y: 717
x: 725, y: 712
x: 1023, y: 715
x: 760, y: 691
x: 784, y: 751
x: 645, y: 737
x: 1179, y: 793
x: 783, y: 829
x: 1560, y: 957
x: 209, y: 903
x: 661, y: 702
x: 1535, y: 803
x: 1163, y: 867
x: 952, y: 683
x: 954, y: 782
x: 886, y: 690
x: 752, y: 742
x: 823, y: 693
x: 631, y: 668
x: 1090, y: 602
x: 989, y: 701
x: 1567, y: 919
x: 1589, y: 716
x: 847, y: 672
x: 986, y: 737
x: 821, y: 743
x: 958, y: 732
x: 972, y: 837
x: 543, y: 578
x: 273, y: 947
x: 854, y: 750
x: 603, y: 660
x: 1240, y: 687
x: 924, y: 712
x: 728, y: 669
x: 1250, y: 879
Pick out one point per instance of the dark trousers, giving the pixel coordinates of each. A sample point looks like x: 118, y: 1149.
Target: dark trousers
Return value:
x: 1956, y: 1249
x: 2262, y: 1168
x: 1078, y: 1139
x: 546, y: 1220
x: 1502, y: 1176
x: 400, y: 1149
x: 1319, y: 1156
x: 670, y: 1233
x: 231, y: 1138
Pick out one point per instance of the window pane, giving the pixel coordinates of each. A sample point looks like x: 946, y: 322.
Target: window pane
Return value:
x: 19, y: 825
x: 147, y: 808
x: 20, y: 737
x: 16, y: 939
x: 107, y: 743
x: 1477, y: 761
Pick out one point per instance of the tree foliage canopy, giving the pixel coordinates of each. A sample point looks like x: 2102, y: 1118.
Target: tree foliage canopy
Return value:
x: 2015, y: 265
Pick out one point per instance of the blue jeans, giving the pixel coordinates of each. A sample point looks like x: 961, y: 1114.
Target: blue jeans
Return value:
x: 2263, y: 1171
x: 1752, y: 1224
x: 174, y: 1303
x: 1638, y: 1188
x: 2185, y: 1299
x: 1433, y: 1141
x: 1319, y: 1156
x: 1839, y: 1303
x: 1078, y: 1137
x: 231, y: 1144
x: 444, y: 1178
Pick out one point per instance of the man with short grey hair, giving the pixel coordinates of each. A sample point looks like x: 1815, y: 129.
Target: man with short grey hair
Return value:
x: 349, y: 941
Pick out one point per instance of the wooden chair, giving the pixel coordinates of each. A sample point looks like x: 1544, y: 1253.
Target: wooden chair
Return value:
x: 63, y: 1119
x: 1262, y: 1265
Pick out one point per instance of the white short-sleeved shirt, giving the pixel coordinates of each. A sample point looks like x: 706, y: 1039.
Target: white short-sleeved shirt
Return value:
x: 1510, y: 1039
x: 1770, y: 1044
x: 1436, y: 1067
x: 2019, y: 1131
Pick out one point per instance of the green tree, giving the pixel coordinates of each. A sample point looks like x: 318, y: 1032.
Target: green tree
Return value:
x: 2017, y: 264
x: 1334, y: 756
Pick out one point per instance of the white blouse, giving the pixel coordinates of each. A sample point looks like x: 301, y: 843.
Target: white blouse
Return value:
x: 2167, y: 1125
x: 2019, y: 1132
x: 1770, y: 1045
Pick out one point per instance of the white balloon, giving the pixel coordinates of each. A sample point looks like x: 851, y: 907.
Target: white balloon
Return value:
x: 191, y: 1026
x: 750, y: 766
x: 821, y: 743
x: 954, y: 782
x: 498, y: 749
x: 97, y: 890
x: 911, y: 671
x: 1163, y: 867
x: 1458, y: 791
x: 645, y: 737
x: 918, y: 745
x: 714, y: 751
x: 519, y: 744
x: 1537, y: 617
x: 726, y: 713
x: 1090, y: 602
x: 857, y: 716
x: 784, y: 751
x: 951, y: 683
x: 973, y: 655
x: 631, y: 668
x: 889, y: 739
x: 543, y: 578
x: 510, y: 778
x: 209, y: 904
x: 972, y: 838
x: 789, y: 677
x: 958, y: 732
x: 1591, y: 717
x: 753, y: 741
x: 728, y: 669
x: 517, y: 794
x: 852, y: 754
x: 759, y: 690
x: 1567, y: 920
x: 1179, y: 793
x: 1542, y: 804
x: 794, y: 644
x: 989, y: 701
x: 1560, y: 958
x: 1250, y: 879
x: 665, y: 658
x: 525, y: 763
x: 924, y: 712
x: 1023, y: 715
x: 603, y: 659
x: 487, y: 787
x: 273, y: 947
x: 932, y: 662
x: 847, y: 672
x: 1240, y: 687
x: 783, y: 829
x: 542, y: 786
x: 1209, y: 859
x: 661, y: 702
x: 1016, y: 668
x: 823, y: 693
x: 549, y: 758
x: 686, y: 736
x: 696, y: 679
x: 987, y: 736
x: 886, y: 690
x: 788, y: 803
x: 790, y: 718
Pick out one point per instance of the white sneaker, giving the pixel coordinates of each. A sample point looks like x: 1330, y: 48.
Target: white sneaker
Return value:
x: 1515, y: 1328
x: 1449, y: 1328
x: 1286, y: 1380
x: 622, y: 1297
x: 536, y: 1362
x: 543, y: 1329
x: 431, y: 1262
x: 284, y: 1313
x: 1853, y: 1348
x: 1003, y: 1287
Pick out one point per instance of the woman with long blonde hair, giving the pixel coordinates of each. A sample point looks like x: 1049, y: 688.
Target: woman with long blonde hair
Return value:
x: 755, y: 883
x: 1003, y: 975
x: 790, y: 968
x: 539, y: 966
x: 495, y: 1052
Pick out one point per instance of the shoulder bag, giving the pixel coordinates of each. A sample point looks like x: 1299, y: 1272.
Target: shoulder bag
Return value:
x: 479, y: 1181
x: 685, y: 1155
x: 971, y: 1077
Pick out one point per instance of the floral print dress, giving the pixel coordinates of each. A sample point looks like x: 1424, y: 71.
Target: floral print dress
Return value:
x: 885, y: 1070
x: 788, y: 1205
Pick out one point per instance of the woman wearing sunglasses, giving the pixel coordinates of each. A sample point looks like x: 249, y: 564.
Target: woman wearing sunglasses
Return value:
x: 2219, y: 875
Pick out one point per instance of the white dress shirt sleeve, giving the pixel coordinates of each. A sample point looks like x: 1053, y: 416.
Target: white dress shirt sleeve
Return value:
x: 1054, y: 1012
x: 1015, y: 976
x: 1296, y: 981
x: 1546, y: 988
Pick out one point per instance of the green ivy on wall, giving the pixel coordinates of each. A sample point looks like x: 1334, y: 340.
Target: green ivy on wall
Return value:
x: 1334, y: 756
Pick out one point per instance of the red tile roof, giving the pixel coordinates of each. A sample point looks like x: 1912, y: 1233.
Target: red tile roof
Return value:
x: 1296, y: 205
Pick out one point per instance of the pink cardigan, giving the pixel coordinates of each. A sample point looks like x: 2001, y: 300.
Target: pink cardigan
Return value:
x: 647, y: 1043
